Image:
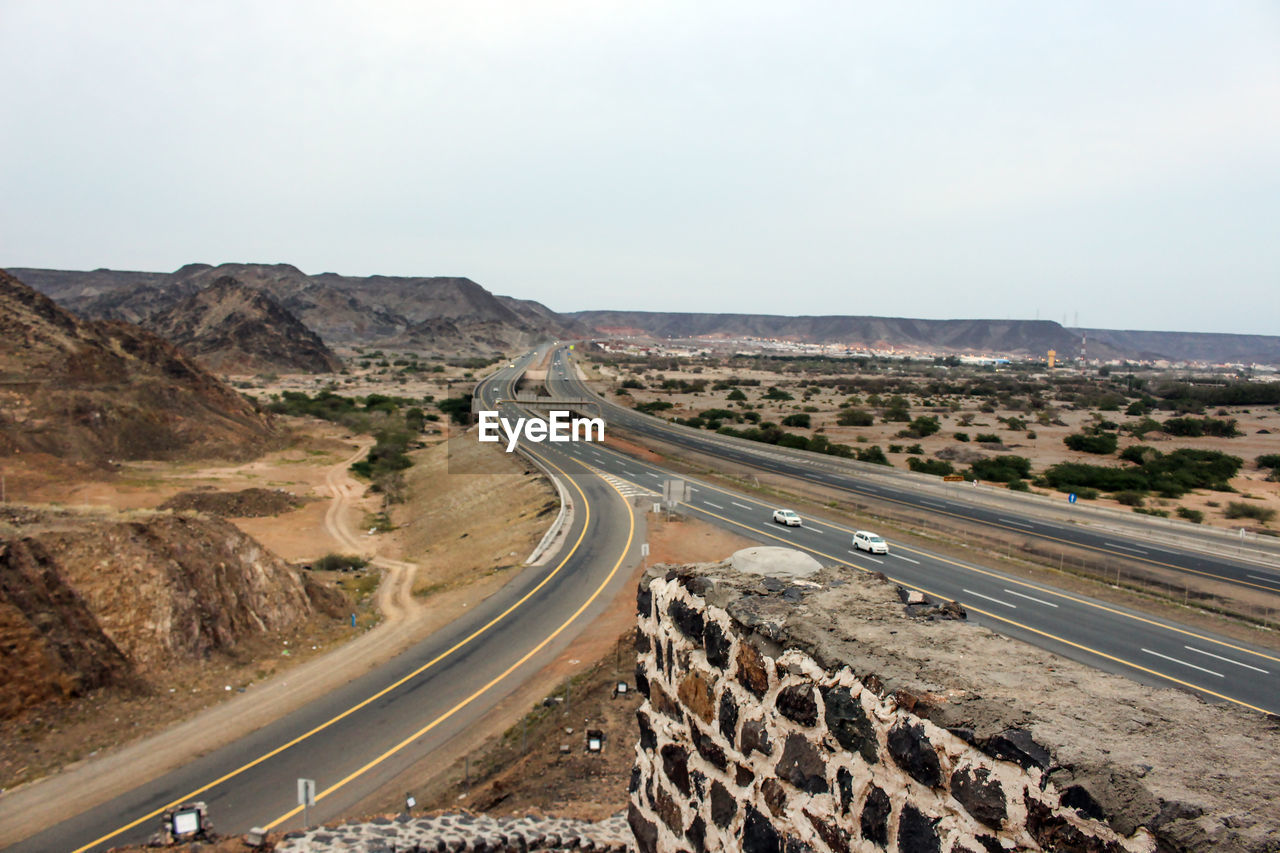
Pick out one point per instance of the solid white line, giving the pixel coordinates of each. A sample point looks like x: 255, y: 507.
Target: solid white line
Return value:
x: 1030, y: 598
x: 628, y: 473
x: 1184, y: 663
x: 814, y: 529
x: 709, y: 503
x: 1011, y: 521
x: 989, y: 598
x: 1125, y: 548
x: 931, y: 503
x: 742, y: 506
x: 872, y: 559
x: 1268, y: 580
x: 1226, y: 660
x: 900, y: 557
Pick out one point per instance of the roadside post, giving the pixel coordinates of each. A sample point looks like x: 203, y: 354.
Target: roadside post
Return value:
x: 306, y: 798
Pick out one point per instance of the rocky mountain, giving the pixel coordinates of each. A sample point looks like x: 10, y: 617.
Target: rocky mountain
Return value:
x: 232, y: 328
x: 448, y: 316
x: 1013, y: 337
x: 92, y: 391
x: 89, y: 599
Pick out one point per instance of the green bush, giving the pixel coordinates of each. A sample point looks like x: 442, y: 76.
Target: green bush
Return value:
x: 873, y: 454
x: 1197, y: 427
x: 1240, y: 509
x: 1019, y: 486
x: 1194, y: 516
x: 1171, y: 475
x: 1268, y: 460
x: 923, y: 426
x: 855, y: 417
x: 736, y: 395
x: 1162, y: 513
x: 775, y: 393
x: 937, y: 467
x: 1101, y: 443
x: 1001, y: 469
x: 654, y: 406
x: 797, y: 420
x: 339, y: 563
x: 987, y: 438
x: 962, y: 436
x: 1129, y: 498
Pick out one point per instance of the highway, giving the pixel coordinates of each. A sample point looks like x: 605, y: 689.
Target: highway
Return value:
x: 837, y: 473
x: 361, y: 736
x: 1117, y: 639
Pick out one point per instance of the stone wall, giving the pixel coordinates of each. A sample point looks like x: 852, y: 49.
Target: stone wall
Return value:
x: 794, y: 709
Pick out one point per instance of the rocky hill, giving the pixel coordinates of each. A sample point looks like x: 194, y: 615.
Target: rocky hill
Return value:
x: 448, y: 316
x: 1013, y: 337
x: 91, y: 391
x: 232, y: 328
x: 90, y: 599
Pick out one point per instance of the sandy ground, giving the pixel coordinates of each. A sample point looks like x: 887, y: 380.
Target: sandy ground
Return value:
x: 257, y: 696
x: 1045, y: 449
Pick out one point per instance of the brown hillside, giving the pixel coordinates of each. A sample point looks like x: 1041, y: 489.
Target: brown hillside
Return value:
x: 95, y: 391
x: 89, y: 599
x: 233, y: 328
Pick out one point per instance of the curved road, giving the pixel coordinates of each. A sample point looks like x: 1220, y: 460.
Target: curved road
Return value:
x: 364, y: 734
x: 840, y: 474
x: 1117, y: 639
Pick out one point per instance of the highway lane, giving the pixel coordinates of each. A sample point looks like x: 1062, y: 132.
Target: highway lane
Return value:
x: 366, y: 732
x: 1117, y: 639
x: 835, y: 473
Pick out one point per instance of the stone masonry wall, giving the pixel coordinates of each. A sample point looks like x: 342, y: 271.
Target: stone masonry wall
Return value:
x: 816, y: 712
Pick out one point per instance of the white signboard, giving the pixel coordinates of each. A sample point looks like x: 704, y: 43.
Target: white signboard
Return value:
x: 306, y: 792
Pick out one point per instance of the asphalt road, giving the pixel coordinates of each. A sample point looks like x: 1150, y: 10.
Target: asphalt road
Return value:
x: 830, y: 472
x: 1113, y: 638
x: 362, y: 735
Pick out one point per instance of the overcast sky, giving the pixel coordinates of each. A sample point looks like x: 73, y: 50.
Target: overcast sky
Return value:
x: 1116, y: 160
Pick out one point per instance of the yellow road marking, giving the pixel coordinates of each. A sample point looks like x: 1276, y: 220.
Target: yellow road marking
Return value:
x: 465, y: 702
x: 326, y: 724
x: 1054, y: 637
x: 661, y: 426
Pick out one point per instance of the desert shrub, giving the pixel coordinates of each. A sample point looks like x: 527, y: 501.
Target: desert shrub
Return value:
x: 961, y: 436
x: 1019, y: 486
x: 855, y: 417
x: 873, y: 454
x: 776, y: 393
x: 797, y: 420
x: 897, y: 409
x: 923, y: 426
x: 1101, y: 443
x: 654, y: 406
x: 1162, y: 513
x: 1197, y: 427
x: 339, y: 563
x: 718, y: 415
x: 633, y: 383
x: 936, y: 467
x: 916, y: 449
x: 987, y: 438
x: 1241, y: 509
x: 1194, y: 516
x: 457, y: 408
x: 1001, y: 469
x: 1268, y: 460
x: 1129, y: 498
x: 895, y: 448
x: 1172, y: 475
x: 736, y: 395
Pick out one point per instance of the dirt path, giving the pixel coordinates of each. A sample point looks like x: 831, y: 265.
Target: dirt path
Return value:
x: 395, y: 593
x: 29, y: 808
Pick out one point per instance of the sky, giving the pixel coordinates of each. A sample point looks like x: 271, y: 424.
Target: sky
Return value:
x: 1107, y: 164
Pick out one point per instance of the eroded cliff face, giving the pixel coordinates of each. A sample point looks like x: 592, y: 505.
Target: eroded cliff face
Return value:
x: 90, y: 599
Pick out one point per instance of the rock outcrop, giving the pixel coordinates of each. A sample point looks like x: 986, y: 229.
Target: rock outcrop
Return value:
x: 232, y: 328
x: 90, y: 599
x: 92, y: 391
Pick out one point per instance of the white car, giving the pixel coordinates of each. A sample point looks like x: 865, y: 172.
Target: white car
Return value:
x: 865, y: 540
x: 787, y: 517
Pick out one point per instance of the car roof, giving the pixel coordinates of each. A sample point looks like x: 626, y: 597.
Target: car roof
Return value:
x: 865, y: 533
x: 791, y: 511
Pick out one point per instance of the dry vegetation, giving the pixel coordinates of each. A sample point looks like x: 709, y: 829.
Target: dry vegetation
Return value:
x: 978, y: 421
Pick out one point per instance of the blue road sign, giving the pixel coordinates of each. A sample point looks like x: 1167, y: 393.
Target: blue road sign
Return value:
x: 1071, y: 498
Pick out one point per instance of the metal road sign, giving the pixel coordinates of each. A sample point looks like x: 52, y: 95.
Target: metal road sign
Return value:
x: 1071, y: 498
